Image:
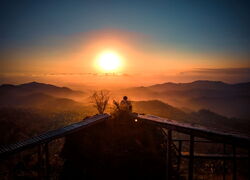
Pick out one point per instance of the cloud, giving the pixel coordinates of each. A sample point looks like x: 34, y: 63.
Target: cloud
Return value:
x: 219, y: 71
x: 231, y: 75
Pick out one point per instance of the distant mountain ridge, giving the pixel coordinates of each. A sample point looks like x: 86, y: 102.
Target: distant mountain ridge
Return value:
x: 40, y: 101
x: 52, y: 98
x: 39, y: 95
x: 231, y: 100
x: 202, y: 117
x: 201, y: 84
x: 35, y: 87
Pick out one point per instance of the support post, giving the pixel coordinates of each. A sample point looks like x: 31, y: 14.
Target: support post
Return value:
x: 47, y: 164
x: 169, y: 160
x: 248, y: 163
x: 191, y: 158
x: 40, y: 162
x: 179, y: 155
x: 234, y: 163
x: 179, y: 158
x: 224, y: 162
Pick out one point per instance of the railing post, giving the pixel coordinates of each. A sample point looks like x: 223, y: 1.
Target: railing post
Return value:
x: 40, y: 161
x: 47, y: 164
x: 179, y: 158
x: 248, y: 163
x: 234, y: 163
x: 191, y: 158
x: 224, y: 162
x: 169, y: 160
x: 179, y: 155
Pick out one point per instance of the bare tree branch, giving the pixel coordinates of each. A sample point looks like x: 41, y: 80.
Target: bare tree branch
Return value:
x: 100, y: 100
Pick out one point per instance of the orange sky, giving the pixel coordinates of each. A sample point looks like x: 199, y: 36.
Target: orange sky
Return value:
x: 144, y: 61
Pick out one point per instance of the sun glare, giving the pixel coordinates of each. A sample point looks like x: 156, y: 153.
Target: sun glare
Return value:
x: 109, y: 61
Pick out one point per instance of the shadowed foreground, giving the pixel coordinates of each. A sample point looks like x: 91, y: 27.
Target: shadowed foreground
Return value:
x: 116, y: 149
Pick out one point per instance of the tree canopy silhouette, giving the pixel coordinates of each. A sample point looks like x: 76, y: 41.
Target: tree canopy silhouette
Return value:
x: 100, y: 100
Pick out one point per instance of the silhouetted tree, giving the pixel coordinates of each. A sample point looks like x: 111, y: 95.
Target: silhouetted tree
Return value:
x: 100, y: 100
x: 117, y: 105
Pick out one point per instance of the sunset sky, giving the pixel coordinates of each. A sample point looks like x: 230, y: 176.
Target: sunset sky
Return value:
x: 156, y: 41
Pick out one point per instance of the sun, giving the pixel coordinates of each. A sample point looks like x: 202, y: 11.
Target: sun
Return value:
x: 109, y: 61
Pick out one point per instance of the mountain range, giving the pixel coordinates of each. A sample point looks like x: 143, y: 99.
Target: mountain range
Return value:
x: 35, y: 87
x: 39, y: 95
x: 231, y: 100
x: 210, y: 94
x: 201, y: 117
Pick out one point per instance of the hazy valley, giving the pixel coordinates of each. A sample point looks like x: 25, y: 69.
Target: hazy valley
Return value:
x: 44, y: 107
x: 231, y: 100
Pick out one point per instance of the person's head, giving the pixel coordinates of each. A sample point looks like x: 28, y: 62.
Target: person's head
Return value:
x: 125, y: 98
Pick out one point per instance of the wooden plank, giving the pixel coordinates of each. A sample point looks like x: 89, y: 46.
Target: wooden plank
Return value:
x: 214, y: 156
x: 3, y: 148
x: 196, y: 141
x: 19, y: 144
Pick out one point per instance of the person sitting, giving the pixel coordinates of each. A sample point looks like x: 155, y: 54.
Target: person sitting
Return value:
x: 125, y: 105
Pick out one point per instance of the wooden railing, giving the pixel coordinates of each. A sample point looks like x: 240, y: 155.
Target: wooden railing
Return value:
x: 167, y: 126
x: 234, y: 140
x: 42, y: 142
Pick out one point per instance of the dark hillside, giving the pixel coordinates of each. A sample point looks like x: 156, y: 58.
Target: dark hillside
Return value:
x: 23, y: 123
x: 40, y: 101
x: 159, y: 108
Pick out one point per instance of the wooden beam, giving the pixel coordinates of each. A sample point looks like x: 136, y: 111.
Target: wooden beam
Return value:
x: 169, y: 155
x: 214, y: 156
x: 40, y: 161
x: 47, y: 164
x: 196, y: 141
x: 191, y: 158
x: 234, y: 163
x: 248, y: 163
x: 179, y: 155
x: 224, y: 162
